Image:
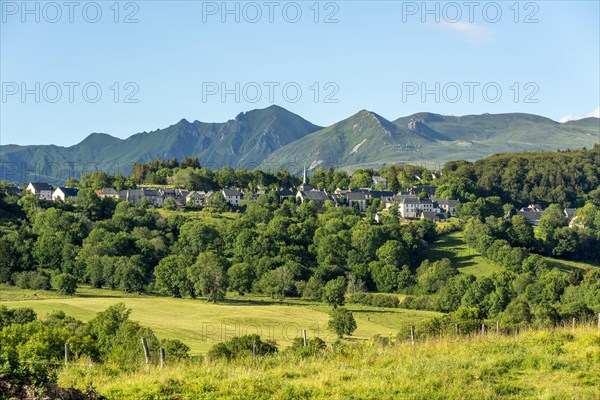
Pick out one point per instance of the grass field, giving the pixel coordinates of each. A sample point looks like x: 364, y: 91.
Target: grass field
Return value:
x: 568, y: 265
x: 470, y: 261
x: 463, y: 257
x: 200, y: 324
x: 557, y: 364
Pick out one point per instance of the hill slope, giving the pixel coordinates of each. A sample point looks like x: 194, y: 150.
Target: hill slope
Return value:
x: 433, y: 138
x: 243, y: 142
x: 363, y: 138
x: 273, y: 138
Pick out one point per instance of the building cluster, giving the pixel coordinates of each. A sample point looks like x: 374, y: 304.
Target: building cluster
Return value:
x: 533, y: 212
x: 418, y: 202
x: 46, y: 192
x: 153, y: 196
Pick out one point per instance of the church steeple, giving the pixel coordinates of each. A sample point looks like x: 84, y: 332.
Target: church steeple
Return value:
x: 305, y: 187
x: 304, y: 176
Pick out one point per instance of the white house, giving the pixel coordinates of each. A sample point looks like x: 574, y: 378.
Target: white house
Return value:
x: 65, y: 194
x: 42, y: 190
x: 408, y: 206
x: 232, y: 196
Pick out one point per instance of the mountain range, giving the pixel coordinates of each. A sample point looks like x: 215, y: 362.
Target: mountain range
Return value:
x: 274, y: 137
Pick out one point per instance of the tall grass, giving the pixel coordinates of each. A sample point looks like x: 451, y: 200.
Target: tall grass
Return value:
x: 561, y: 363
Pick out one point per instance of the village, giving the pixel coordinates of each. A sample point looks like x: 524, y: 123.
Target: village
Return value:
x: 418, y: 202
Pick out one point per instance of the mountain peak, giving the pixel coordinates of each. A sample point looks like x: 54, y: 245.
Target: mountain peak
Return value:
x: 98, y: 139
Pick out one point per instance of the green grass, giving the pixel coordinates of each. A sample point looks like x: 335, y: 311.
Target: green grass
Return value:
x: 200, y: 324
x: 569, y: 266
x: 466, y: 259
x: 470, y: 261
x: 556, y: 364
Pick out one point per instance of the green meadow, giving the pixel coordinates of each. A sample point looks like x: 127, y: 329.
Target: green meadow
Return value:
x: 201, y: 324
x: 555, y: 364
x: 465, y: 258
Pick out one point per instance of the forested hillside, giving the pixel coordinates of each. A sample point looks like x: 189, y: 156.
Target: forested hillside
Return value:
x: 568, y: 178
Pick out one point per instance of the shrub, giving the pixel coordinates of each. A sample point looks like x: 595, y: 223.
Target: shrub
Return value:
x: 65, y: 284
x: 373, y: 299
x: 380, y: 300
x: 240, y: 347
x: 313, y: 346
x: 16, y: 316
x: 417, y: 303
x: 32, y: 280
x: 23, y: 315
x: 175, y: 348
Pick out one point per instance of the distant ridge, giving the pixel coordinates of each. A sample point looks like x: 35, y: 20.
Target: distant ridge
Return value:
x: 274, y: 137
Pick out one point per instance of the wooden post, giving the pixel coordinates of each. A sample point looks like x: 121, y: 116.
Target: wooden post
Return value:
x: 573, y: 322
x: 67, y: 353
x: 599, y: 322
x: 412, y: 335
x: 254, y: 349
x: 91, y: 380
x: 146, y: 351
x: 304, y: 337
x: 482, y: 329
x: 162, y: 357
x: 456, y: 329
x: 497, y: 327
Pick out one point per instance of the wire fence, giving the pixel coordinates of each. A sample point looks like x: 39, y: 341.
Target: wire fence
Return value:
x: 488, y: 332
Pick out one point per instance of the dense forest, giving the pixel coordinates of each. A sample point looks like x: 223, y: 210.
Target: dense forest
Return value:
x: 569, y: 178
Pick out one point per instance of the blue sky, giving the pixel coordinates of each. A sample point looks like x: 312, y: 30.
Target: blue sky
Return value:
x: 193, y: 60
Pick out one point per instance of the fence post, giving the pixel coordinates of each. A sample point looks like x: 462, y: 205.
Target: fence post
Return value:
x: 304, y: 337
x: 254, y: 349
x: 146, y: 351
x: 162, y: 357
x: 482, y: 329
x: 599, y: 322
x: 497, y: 327
x: 456, y: 329
x: 91, y: 379
x: 573, y: 322
x: 412, y: 335
x: 67, y: 353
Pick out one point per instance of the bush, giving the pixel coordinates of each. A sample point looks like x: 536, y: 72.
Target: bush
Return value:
x: 373, y: 299
x: 32, y: 280
x: 23, y: 315
x: 240, y: 347
x: 313, y: 346
x: 65, y: 284
x: 417, y: 303
x: 381, y: 300
x: 175, y: 348
x: 16, y: 316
